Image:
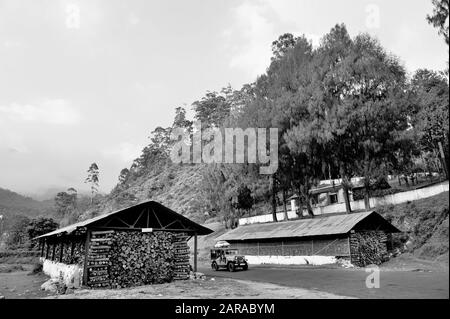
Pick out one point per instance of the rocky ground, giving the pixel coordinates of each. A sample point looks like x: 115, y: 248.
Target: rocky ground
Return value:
x: 22, y: 285
x: 210, y: 288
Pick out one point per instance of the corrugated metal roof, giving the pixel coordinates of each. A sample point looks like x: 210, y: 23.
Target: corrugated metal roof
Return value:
x: 70, y: 228
x: 330, y: 225
x: 201, y: 230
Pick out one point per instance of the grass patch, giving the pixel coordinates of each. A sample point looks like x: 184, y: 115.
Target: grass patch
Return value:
x: 19, y: 257
x: 11, y: 268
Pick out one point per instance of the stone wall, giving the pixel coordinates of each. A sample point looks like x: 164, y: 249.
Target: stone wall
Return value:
x: 71, y: 275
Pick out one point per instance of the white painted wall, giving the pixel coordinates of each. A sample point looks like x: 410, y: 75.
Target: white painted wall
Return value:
x: 72, y: 274
x: 393, y: 199
x: 290, y: 260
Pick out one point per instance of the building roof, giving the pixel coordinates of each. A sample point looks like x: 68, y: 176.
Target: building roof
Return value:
x: 318, y: 226
x: 159, y: 211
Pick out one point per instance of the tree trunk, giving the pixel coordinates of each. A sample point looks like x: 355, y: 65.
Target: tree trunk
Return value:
x: 300, y: 202
x: 367, y: 193
x: 305, y: 195
x: 345, y: 187
x: 309, y: 208
x: 348, y: 207
x: 443, y: 159
x: 406, y: 181
x: 284, y: 205
x: 274, y: 200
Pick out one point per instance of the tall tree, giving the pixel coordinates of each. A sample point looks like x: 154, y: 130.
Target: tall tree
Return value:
x: 66, y: 202
x: 373, y: 106
x: 282, y: 45
x: 212, y: 110
x: 430, y: 115
x: 123, y: 176
x: 180, y: 119
x: 93, y: 180
x: 439, y: 17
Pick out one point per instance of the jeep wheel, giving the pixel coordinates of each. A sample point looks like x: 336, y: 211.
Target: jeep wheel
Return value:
x: 215, y: 266
x: 245, y: 267
x: 231, y: 267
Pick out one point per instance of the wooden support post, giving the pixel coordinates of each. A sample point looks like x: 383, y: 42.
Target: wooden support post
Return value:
x: 54, y: 251
x: 195, y: 252
x: 42, y: 241
x: 61, y: 250
x: 86, y: 253
x: 40, y: 247
x: 72, y: 249
x: 47, y: 251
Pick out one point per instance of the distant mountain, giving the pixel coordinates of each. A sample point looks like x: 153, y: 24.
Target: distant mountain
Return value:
x: 13, y: 204
x: 50, y: 193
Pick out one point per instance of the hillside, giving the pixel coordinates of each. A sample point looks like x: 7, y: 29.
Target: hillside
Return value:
x: 13, y: 204
x: 176, y: 186
x: 424, y: 224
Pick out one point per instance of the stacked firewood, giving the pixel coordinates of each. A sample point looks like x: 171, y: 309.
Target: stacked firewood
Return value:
x: 368, y: 248
x: 181, y: 257
x: 78, y: 253
x: 142, y: 258
x: 98, y: 259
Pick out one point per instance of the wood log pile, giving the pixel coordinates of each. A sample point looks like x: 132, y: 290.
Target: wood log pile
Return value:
x: 147, y: 258
x: 181, y: 262
x: 78, y: 253
x: 68, y: 257
x: 98, y: 259
x: 368, y: 248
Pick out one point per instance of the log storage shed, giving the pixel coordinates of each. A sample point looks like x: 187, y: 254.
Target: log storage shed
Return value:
x: 142, y: 244
x: 361, y: 238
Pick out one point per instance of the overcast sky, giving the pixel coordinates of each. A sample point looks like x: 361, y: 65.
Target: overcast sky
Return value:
x: 85, y: 81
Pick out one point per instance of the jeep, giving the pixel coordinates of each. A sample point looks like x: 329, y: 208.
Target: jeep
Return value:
x: 227, y: 258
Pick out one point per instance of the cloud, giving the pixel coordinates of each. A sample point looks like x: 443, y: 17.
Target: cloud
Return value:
x: 133, y: 19
x: 256, y: 24
x: 12, y: 143
x: 56, y: 111
x: 255, y: 33
x: 10, y: 44
x: 126, y: 151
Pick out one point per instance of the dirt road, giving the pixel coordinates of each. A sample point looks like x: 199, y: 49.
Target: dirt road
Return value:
x: 22, y: 285
x: 348, y: 282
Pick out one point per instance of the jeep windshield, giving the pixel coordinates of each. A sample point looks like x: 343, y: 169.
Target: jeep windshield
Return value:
x: 231, y: 252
